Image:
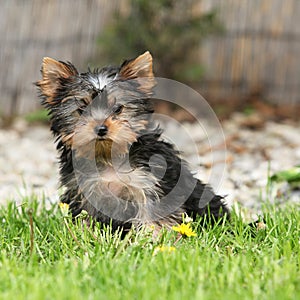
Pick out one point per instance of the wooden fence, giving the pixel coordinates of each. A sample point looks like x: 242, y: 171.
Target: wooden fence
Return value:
x: 260, y: 48
x: 30, y: 30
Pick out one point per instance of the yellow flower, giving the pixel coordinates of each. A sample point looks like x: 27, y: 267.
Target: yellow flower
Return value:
x: 167, y: 249
x: 64, y: 208
x: 184, y: 229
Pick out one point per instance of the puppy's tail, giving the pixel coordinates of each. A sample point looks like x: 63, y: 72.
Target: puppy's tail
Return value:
x: 204, y: 202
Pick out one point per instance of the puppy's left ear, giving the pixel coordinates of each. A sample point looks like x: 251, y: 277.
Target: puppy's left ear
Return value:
x: 139, y: 69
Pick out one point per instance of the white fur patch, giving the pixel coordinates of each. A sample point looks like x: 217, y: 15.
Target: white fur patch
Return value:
x: 100, y: 81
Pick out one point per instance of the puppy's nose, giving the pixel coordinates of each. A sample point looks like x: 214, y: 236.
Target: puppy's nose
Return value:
x: 101, y: 130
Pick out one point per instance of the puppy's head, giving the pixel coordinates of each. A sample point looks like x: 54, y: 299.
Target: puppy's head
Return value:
x: 101, y: 107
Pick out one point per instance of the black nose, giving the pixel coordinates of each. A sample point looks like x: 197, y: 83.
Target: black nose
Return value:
x: 101, y: 130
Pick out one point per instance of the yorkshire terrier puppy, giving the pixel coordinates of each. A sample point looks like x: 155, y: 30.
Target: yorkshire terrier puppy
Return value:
x: 113, y: 162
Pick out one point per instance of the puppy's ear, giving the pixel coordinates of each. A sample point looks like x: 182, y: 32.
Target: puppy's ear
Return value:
x: 139, y: 69
x: 53, y: 73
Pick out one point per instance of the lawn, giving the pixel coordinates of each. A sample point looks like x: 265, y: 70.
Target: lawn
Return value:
x: 44, y: 255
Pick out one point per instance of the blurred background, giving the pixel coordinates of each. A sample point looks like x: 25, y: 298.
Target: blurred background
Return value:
x: 240, y: 55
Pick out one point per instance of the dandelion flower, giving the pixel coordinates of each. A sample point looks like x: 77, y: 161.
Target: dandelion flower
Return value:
x: 184, y: 229
x: 64, y: 208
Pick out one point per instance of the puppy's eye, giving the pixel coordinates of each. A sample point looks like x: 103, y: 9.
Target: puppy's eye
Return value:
x: 117, y: 109
x: 81, y: 106
x: 80, y: 110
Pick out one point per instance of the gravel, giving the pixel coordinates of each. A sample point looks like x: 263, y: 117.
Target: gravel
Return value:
x: 237, y: 166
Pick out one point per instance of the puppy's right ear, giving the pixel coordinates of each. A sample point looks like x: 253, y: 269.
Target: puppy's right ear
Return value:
x: 54, y: 72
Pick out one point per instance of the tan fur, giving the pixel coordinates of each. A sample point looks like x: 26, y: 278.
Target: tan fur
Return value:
x: 139, y: 67
x: 52, y: 70
x: 141, y: 70
x: 117, y: 141
x: 120, y: 132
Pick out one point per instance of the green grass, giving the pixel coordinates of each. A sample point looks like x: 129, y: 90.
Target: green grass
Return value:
x: 38, y: 116
x: 43, y: 255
